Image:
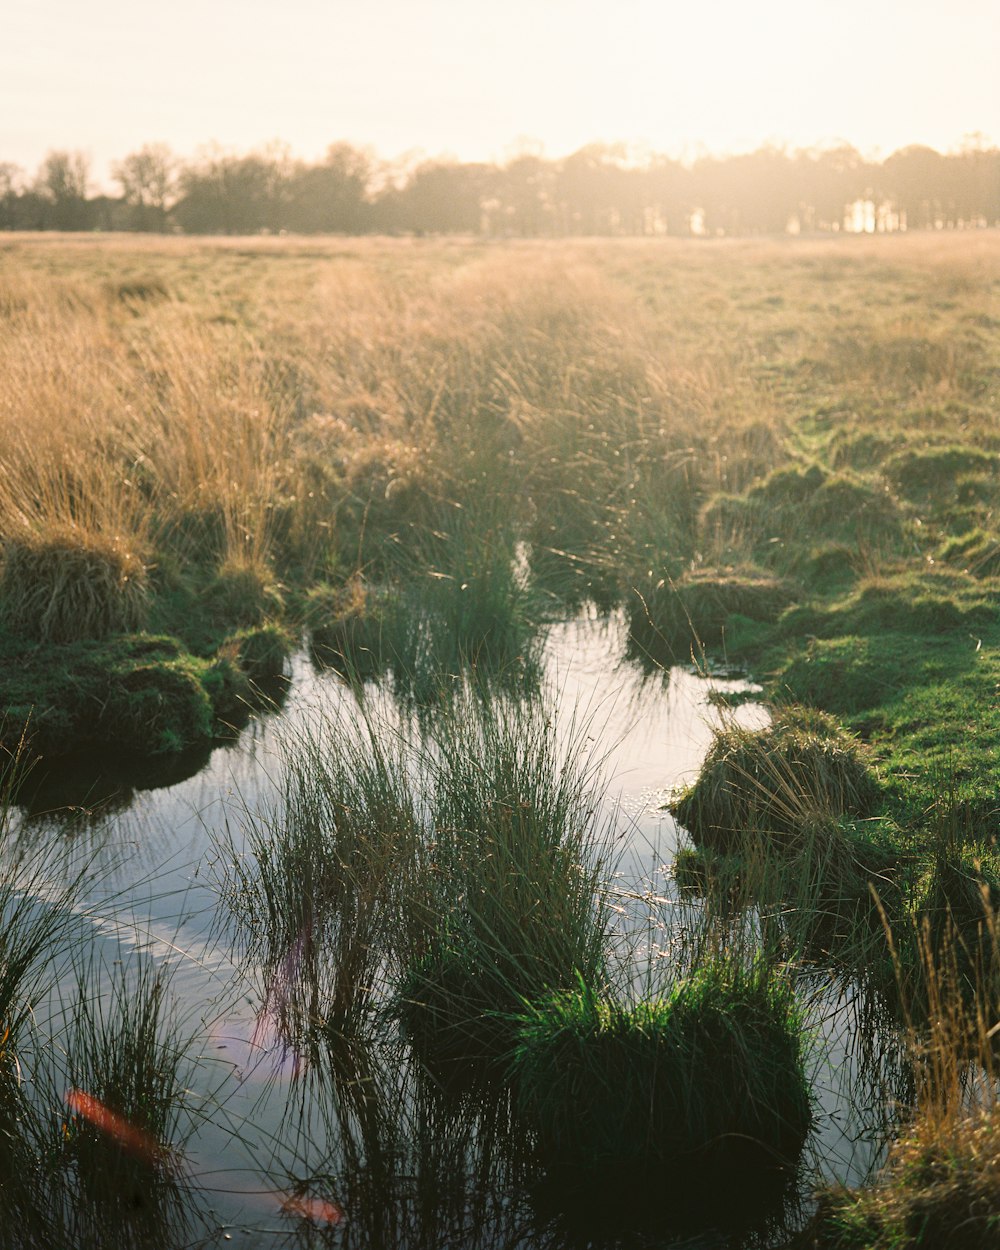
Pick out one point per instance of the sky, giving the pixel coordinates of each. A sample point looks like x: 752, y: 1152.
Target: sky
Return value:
x: 478, y: 81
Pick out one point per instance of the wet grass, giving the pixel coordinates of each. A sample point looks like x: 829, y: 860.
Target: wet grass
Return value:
x: 316, y: 883
x: 512, y: 884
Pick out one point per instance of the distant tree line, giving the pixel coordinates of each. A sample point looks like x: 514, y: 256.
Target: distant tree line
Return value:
x: 595, y: 191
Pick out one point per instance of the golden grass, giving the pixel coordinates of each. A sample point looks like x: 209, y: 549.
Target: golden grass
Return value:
x: 282, y: 399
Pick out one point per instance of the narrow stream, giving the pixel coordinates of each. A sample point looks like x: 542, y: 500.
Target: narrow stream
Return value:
x: 262, y: 1124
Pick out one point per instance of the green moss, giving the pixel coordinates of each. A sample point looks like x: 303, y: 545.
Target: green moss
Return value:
x: 141, y: 694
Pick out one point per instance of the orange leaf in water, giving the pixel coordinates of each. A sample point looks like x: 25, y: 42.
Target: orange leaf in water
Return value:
x: 133, y: 1139
x: 319, y: 1210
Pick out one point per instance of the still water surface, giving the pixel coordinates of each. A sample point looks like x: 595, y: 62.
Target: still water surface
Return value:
x: 153, y: 895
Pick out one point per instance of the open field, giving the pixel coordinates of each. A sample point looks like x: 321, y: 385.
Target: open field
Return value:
x: 411, y: 456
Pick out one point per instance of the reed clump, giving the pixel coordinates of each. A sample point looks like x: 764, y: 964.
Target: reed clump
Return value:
x: 765, y: 782
x: 64, y: 584
x: 511, y: 908
x: 116, y: 1175
x: 317, y: 887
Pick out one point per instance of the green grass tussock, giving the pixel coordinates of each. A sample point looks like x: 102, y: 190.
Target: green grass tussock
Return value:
x: 512, y: 906
x: 775, y: 780
x: 241, y: 594
x: 706, y: 1081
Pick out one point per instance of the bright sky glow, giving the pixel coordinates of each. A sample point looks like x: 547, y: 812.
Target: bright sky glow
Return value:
x: 469, y: 79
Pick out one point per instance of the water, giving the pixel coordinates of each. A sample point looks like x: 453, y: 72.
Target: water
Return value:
x: 277, y: 1137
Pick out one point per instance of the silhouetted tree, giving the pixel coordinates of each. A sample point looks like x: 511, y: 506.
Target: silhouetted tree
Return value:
x: 226, y: 194
x: 62, y: 185
x: 438, y: 198
x: 668, y: 195
x: 913, y: 179
x: 331, y: 197
x: 146, y: 178
x: 524, y: 201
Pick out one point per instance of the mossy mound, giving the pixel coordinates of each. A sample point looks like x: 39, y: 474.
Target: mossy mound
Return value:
x: 861, y: 449
x: 774, y: 781
x: 710, y: 1077
x: 141, y: 694
x: 924, y: 473
x: 930, y: 602
x: 975, y: 551
x: 260, y: 651
x: 780, y: 517
x: 71, y: 585
x: 673, y: 620
x: 851, y: 675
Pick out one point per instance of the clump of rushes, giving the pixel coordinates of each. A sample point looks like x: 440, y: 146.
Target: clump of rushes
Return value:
x: 124, y: 1120
x: 316, y: 887
x: 671, y: 620
x: 345, y: 624
x: 65, y: 584
x: 242, y: 593
x: 461, y: 603
x: 770, y: 780
x: 940, y: 1183
x: 691, y: 1089
x: 511, y: 907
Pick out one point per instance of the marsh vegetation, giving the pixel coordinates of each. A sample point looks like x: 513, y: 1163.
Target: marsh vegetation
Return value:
x: 322, y: 515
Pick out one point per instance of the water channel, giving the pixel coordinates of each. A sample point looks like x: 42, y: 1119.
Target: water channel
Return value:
x: 280, y: 1152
